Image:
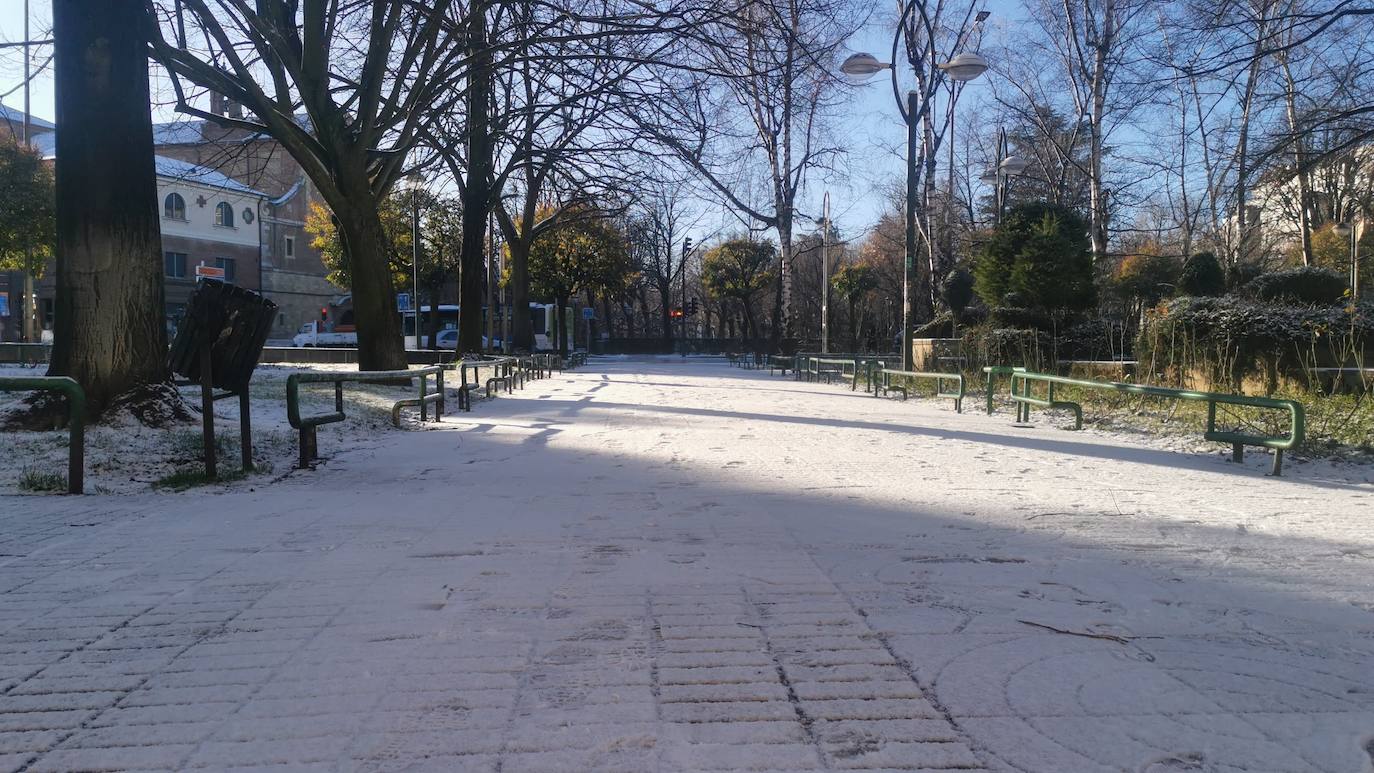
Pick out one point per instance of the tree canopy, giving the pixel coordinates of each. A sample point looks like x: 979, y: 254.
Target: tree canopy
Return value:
x: 28, y: 221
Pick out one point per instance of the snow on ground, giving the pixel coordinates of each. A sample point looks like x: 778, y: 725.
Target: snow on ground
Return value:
x: 123, y: 456
x: 674, y: 565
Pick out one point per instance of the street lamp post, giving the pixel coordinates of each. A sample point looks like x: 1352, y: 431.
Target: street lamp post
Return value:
x: 960, y: 69
x: 1004, y: 167
x: 415, y: 182
x: 825, y: 274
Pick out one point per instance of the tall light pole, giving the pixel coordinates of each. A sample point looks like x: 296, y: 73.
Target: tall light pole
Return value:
x: 414, y: 182
x: 686, y: 251
x: 29, y: 303
x: 491, y: 282
x: 825, y: 273
x: 961, y: 68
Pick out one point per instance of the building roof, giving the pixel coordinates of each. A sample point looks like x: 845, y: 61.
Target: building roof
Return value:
x: 171, y: 168
x: 192, y: 131
x: 15, y: 118
x: 180, y: 132
x: 167, y: 168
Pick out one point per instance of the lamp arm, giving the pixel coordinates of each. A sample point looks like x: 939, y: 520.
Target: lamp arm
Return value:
x: 907, y: 8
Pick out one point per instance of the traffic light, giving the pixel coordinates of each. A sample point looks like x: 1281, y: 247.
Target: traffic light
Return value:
x: 324, y: 314
x: 686, y: 246
x: 675, y: 313
x: 692, y: 308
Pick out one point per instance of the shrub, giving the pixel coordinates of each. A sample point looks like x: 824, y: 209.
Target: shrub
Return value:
x: 1020, y: 318
x: 1226, y: 340
x: 1144, y: 278
x: 1242, y: 274
x: 1305, y: 285
x: 1202, y: 276
x: 943, y: 325
x: 989, y: 345
x: 33, y: 479
x: 957, y: 292
x: 940, y: 327
x: 1094, y: 339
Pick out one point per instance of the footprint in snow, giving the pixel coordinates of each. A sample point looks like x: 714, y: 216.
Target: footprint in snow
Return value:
x: 1192, y: 761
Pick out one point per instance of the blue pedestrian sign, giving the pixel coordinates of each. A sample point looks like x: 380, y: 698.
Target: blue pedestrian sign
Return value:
x: 403, y: 301
x: 588, y: 312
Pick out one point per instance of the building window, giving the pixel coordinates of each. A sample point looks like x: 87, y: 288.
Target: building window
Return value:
x: 290, y: 250
x: 175, y: 264
x: 174, y: 207
x: 228, y: 265
x: 224, y: 215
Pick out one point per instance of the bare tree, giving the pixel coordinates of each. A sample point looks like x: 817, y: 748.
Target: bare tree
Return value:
x: 756, y: 92
x: 346, y: 88
x: 549, y: 75
x: 1098, y: 46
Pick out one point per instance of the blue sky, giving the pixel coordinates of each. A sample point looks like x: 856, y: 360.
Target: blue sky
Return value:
x: 870, y: 130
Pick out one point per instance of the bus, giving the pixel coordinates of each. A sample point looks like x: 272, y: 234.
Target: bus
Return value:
x: 542, y: 319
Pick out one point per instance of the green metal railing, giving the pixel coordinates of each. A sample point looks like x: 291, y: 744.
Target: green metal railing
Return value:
x: 992, y: 372
x: 307, y: 424
x: 779, y: 362
x: 816, y: 367
x: 1297, y: 418
x: 881, y: 380
x: 802, y: 367
x: 501, y: 371
x: 76, y: 419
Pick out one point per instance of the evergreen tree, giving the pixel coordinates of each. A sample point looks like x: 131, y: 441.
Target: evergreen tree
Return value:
x: 1040, y: 253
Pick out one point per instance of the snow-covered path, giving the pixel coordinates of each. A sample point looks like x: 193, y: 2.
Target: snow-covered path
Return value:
x: 673, y: 566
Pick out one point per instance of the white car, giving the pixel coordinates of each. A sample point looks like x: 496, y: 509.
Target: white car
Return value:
x: 311, y: 335
x: 448, y: 339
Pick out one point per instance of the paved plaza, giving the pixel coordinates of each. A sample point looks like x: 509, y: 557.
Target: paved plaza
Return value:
x: 657, y: 565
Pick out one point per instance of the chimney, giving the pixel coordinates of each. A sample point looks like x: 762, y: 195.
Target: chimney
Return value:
x: 219, y: 105
x: 235, y: 109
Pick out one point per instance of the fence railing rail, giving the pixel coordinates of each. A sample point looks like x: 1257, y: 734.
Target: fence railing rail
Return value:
x: 307, y: 425
x: 947, y: 385
x: 76, y: 419
x: 1022, y: 382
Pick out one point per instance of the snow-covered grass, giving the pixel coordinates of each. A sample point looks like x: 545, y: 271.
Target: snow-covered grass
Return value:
x: 124, y: 456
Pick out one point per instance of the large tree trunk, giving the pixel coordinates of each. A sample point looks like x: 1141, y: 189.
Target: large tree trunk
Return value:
x: 477, y: 193
x: 853, y: 327
x: 560, y: 314
x: 750, y: 328
x: 522, y: 330
x: 380, y: 343
x: 109, y: 330
x: 1243, y: 243
x: 1302, y: 173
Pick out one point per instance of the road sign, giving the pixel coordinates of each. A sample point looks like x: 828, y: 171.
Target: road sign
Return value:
x: 4, y: 304
x: 588, y: 312
x: 403, y: 301
x: 209, y: 272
